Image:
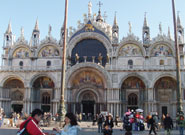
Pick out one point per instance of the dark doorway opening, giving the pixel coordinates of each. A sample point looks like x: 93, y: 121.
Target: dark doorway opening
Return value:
x: 164, y: 110
x: 132, y: 108
x: 88, y: 109
x: 17, y: 108
x: 45, y: 108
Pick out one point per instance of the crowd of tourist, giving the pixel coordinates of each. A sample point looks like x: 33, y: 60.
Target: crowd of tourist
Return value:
x: 131, y: 121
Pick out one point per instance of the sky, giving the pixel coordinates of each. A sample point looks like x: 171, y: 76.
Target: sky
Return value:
x: 23, y: 13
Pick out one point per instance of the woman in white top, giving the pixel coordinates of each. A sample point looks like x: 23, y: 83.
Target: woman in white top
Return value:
x: 71, y: 126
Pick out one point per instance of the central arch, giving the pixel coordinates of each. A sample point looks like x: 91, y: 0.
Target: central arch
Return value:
x: 87, y: 87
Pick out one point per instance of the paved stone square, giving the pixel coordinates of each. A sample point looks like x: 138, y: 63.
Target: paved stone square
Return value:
x: 87, y: 129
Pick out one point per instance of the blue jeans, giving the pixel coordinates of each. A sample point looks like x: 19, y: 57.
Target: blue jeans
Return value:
x: 99, y: 128
x: 181, y: 130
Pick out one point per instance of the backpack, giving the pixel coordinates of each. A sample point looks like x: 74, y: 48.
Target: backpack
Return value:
x: 24, y: 131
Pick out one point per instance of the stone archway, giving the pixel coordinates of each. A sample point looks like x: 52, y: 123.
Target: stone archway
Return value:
x: 86, y: 87
x: 43, y: 93
x: 165, y: 95
x: 13, y: 89
x: 133, y: 93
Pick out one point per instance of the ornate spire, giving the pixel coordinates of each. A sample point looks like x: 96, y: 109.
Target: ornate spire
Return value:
x: 49, y: 31
x: 130, y: 27
x: 9, y: 29
x: 22, y: 32
x: 145, y: 21
x: 115, y: 19
x: 89, y: 9
x: 178, y: 19
x: 160, y: 29
x: 36, y: 25
x: 169, y: 34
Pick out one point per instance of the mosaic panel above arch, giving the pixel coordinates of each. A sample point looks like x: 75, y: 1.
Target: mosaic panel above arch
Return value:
x: 13, y: 83
x: 21, y: 52
x: 133, y: 83
x: 49, y: 51
x: 130, y: 50
x: 87, y: 77
x: 165, y: 83
x: 161, y: 50
x: 43, y: 82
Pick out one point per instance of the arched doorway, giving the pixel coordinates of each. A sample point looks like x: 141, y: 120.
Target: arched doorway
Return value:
x: 13, y: 89
x: 86, y: 88
x: 88, y: 101
x: 42, y: 93
x: 165, y: 95
x: 132, y: 101
x: 133, y: 93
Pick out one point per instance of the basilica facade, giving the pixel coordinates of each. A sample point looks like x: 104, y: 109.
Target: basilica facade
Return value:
x: 103, y: 73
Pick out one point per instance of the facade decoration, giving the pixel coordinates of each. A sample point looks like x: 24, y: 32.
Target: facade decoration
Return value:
x: 49, y: 51
x: 103, y: 72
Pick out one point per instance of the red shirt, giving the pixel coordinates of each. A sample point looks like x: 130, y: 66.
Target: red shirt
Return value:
x: 32, y: 127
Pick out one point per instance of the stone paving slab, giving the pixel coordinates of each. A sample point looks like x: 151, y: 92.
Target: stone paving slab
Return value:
x: 87, y: 129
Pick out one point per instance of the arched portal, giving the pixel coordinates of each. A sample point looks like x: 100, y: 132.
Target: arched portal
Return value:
x: 42, y: 93
x: 87, y: 92
x: 133, y: 93
x: 14, y: 90
x: 165, y: 95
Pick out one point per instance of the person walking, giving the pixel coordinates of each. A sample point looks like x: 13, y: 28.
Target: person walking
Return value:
x: 168, y: 124
x: 70, y: 127
x: 181, y: 124
x: 152, y: 125
x: 30, y: 126
x: 100, y: 122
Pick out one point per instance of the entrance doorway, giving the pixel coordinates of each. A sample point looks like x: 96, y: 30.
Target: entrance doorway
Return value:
x: 164, y: 110
x: 88, y: 109
x: 45, y: 108
x: 17, y: 108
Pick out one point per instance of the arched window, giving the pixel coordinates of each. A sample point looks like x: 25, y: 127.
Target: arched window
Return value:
x: 48, y: 64
x: 130, y: 63
x: 7, y: 38
x: 21, y: 64
x: 161, y: 62
x: 132, y: 99
x: 34, y: 35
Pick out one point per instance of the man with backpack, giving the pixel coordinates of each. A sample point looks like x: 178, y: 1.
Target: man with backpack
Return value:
x: 30, y: 126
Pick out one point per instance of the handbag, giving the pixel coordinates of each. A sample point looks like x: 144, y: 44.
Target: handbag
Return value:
x: 24, y: 131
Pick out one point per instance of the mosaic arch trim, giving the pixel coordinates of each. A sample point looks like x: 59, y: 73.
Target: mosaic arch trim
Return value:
x: 130, y: 50
x: 49, y: 51
x: 21, y: 52
x: 161, y: 50
x: 87, y: 77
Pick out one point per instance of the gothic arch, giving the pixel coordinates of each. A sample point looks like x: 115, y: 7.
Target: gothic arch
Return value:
x: 89, y: 35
